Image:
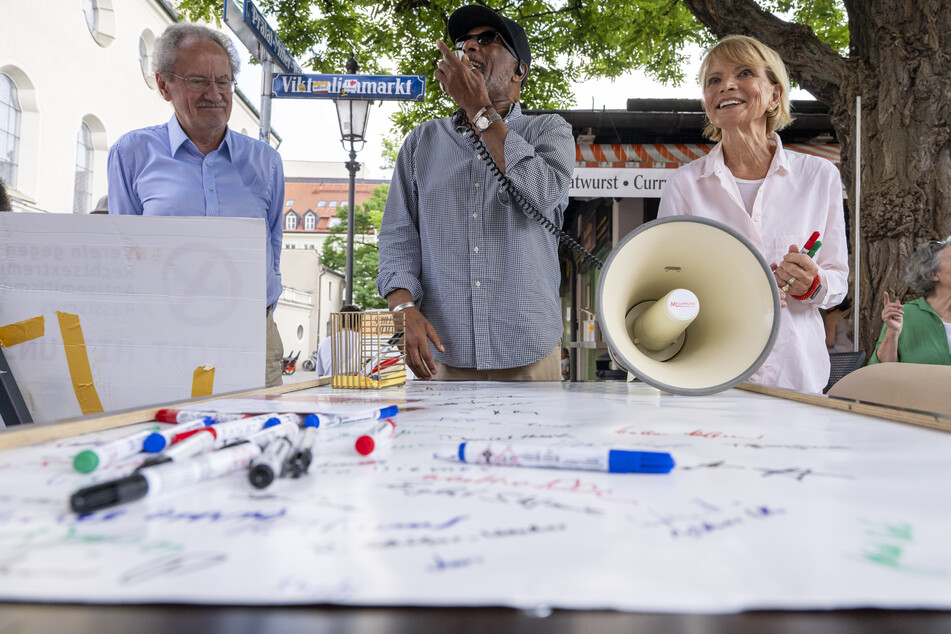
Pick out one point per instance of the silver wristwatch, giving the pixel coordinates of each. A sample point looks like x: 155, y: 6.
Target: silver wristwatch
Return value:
x: 483, y: 121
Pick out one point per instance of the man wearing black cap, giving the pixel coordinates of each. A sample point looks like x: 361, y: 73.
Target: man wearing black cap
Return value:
x: 468, y: 268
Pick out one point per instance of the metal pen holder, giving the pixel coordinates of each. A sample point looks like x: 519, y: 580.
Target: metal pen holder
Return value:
x: 366, y: 351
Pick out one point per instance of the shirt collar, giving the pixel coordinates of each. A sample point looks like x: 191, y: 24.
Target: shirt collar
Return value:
x: 177, y: 137
x: 715, y: 160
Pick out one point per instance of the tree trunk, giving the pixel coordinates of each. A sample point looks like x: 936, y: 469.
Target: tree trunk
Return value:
x: 900, y: 64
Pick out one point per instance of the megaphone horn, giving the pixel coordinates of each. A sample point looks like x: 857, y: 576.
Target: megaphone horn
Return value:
x: 688, y: 305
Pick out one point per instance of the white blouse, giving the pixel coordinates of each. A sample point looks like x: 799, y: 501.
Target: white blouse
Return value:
x: 799, y: 195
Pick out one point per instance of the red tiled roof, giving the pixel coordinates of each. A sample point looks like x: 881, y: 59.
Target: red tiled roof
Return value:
x: 306, y: 197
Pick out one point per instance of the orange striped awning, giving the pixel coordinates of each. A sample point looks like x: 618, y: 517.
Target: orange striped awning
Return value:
x: 671, y: 155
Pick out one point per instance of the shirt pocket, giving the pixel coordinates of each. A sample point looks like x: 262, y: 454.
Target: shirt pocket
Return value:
x: 779, y: 246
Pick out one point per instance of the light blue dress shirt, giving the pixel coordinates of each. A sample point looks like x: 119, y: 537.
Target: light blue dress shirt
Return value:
x: 159, y: 171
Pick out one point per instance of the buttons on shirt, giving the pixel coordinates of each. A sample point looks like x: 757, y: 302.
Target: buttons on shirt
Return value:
x: 211, y: 189
x: 475, y: 215
x: 478, y: 284
x: 477, y: 185
x: 756, y: 218
x: 476, y: 249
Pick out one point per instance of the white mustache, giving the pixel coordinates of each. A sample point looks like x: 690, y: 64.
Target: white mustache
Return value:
x: 205, y: 103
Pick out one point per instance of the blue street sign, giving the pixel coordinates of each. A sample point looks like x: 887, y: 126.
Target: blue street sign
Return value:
x: 254, y: 30
x: 368, y: 87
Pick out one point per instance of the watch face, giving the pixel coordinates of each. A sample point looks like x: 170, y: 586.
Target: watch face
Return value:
x: 482, y: 123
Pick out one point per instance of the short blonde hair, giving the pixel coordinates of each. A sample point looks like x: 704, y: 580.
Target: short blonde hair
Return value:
x: 740, y: 49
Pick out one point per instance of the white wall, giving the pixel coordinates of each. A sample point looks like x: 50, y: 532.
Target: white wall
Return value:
x: 65, y: 76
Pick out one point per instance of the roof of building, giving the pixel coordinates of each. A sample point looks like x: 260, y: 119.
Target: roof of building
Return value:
x: 321, y: 199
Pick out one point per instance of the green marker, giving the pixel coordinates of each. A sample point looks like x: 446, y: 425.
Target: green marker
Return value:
x: 105, y: 455
x: 815, y: 247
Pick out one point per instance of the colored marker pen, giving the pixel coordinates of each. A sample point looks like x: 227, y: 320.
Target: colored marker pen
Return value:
x: 336, y: 420
x: 164, y: 477
x: 585, y: 458
x: 191, y: 446
x: 231, y: 430
x: 162, y: 439
x: 111, y: 452
x: 270, y: 464
x: 185, y: 415
x: 299, y: 461
x: 809, y: 249
x: 381, y: 433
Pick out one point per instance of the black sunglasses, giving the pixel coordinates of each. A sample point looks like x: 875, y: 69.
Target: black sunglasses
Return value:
x: 484, y: 39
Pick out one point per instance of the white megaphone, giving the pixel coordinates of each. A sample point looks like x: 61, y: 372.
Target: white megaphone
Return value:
x: 688, y: 305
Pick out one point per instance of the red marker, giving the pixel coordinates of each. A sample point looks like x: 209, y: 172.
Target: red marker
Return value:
x: 811, y: 241
x: 184, y: 415
x: 805, y: 249
x: 381, y: 433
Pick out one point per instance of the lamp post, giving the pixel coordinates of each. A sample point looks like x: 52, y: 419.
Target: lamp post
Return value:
x: 352, y: 115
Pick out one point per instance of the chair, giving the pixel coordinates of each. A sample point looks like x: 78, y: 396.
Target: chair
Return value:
x: 843, y: 363
x: 914, y: 386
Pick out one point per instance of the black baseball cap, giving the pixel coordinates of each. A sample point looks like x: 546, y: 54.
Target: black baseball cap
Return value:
x: 466, y: 18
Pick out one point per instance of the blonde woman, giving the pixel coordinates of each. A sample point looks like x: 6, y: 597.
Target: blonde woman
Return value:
x: 774, y: 197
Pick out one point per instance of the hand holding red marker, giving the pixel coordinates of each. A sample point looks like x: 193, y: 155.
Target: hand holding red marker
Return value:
x: 812, y: 245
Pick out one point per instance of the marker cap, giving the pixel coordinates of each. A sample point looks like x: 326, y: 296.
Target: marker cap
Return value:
x: 312, y: 420
x: 620, y: 461
x: 364, y: 445
x: 85, y: 461
x: 167, y: 415
x: 108, y: 494
x: 261, y: 476
x: 386, y: 412
x: 154, y: 443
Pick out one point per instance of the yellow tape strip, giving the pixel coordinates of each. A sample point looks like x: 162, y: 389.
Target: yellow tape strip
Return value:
x: 78, y: 361
x: 203, y: 380
x: 12, y: 334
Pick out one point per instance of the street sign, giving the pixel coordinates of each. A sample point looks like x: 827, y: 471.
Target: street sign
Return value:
x: 255, y: 33
x: 367, y: 87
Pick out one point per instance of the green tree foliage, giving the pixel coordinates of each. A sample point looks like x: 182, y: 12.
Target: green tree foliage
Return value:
x: 366, y: 255
x: 571, y: 40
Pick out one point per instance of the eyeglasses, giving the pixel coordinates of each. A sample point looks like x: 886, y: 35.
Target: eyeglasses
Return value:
x: 484, y: 39
x: 200, y: 84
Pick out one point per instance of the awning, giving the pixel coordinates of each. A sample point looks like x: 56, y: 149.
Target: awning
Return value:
x: 671, y: 155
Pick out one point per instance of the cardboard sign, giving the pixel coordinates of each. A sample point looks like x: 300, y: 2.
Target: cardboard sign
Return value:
x: 99, y: 313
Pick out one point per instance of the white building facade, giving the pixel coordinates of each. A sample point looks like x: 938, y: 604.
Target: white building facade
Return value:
x: 74, y: 76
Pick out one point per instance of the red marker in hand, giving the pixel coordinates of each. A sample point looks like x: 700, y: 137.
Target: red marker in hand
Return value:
x: 805, y: 249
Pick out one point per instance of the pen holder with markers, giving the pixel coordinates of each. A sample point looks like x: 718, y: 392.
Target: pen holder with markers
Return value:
x: 366, y: 351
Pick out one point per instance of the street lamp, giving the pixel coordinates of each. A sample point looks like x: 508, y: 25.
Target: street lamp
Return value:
x: 352, y: 113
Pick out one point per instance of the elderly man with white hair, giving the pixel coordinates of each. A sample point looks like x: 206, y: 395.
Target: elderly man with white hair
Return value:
x: 194, y: 165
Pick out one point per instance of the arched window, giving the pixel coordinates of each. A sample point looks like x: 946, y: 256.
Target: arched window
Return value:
x: 290, y: 222
x: 9, y: 130
x: 101, y: 20
x: 146, y: 42
x: 82, y: 188
x: 310, y: 222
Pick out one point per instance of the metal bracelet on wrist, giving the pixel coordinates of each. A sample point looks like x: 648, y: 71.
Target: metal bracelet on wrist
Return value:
x: 403, y: 306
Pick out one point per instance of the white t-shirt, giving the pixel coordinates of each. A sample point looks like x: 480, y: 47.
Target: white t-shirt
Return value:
x: 748, y: 191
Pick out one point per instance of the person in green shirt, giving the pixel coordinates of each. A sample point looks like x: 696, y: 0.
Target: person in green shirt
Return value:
x: 920, y: 331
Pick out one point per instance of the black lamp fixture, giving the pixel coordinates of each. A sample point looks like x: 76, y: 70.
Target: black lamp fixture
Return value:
x: 353, y: 115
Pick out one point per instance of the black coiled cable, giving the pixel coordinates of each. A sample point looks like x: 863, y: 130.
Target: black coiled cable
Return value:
x: 506, y: 184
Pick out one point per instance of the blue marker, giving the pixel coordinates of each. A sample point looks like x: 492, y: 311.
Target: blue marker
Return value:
x: 552, y: 457
x: 162, y: 439
x: 300, y: 459
x: 336, y: 420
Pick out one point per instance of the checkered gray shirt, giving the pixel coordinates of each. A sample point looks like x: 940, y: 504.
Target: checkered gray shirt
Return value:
x: 483, y: 272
